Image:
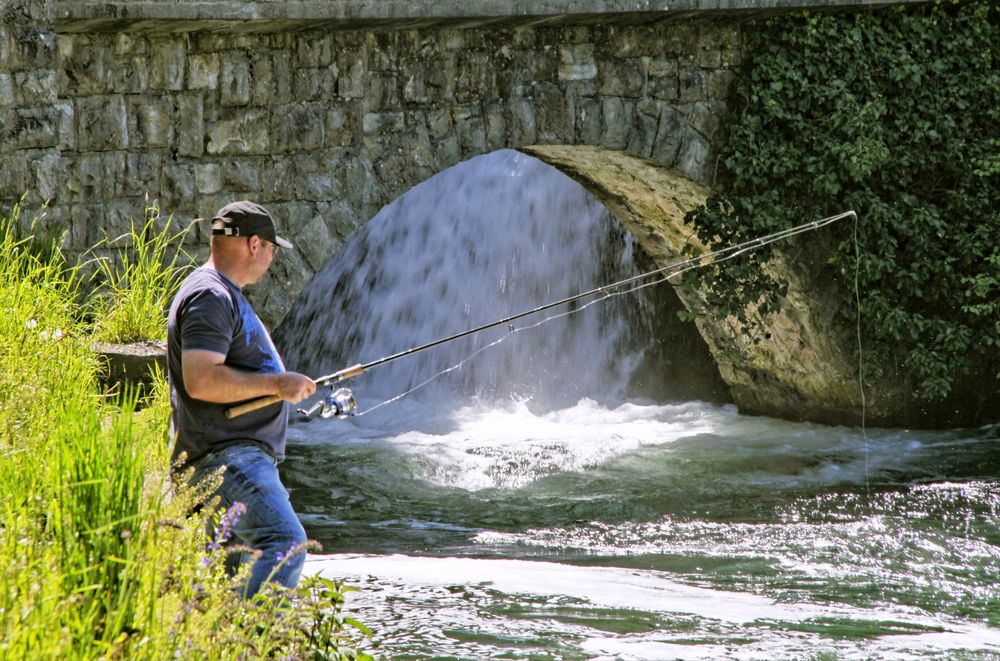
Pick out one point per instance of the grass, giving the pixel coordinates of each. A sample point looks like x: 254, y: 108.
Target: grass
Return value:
x: 133, y: 287
x: 101, y: 555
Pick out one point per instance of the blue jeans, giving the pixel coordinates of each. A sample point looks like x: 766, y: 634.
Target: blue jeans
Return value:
x: 269, y: 524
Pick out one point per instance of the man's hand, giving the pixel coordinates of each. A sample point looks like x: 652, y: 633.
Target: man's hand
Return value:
x: 294, y: 387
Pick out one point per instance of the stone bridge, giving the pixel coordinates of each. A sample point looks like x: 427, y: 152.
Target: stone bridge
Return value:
x: 325, y: 111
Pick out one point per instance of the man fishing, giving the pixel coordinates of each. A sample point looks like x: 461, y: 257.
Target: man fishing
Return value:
x: 220, y: 353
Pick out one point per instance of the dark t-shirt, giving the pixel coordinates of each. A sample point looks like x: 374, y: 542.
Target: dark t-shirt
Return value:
x: 211, y: 313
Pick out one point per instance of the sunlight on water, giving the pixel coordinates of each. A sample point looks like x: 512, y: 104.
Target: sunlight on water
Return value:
x: 525, y: 505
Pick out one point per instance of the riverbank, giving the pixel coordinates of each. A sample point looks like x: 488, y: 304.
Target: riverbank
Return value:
x: 101, y: 555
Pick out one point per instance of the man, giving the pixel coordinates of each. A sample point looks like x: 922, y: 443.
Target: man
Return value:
x: 218, y: 354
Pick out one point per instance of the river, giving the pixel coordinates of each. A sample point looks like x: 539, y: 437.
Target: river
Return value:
x: 511, y: 495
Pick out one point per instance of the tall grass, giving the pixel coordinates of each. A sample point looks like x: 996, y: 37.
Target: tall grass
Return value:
x: 101, y: 554
x: 135, y: 283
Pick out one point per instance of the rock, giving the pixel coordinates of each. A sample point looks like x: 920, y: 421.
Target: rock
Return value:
x: 131, y: 365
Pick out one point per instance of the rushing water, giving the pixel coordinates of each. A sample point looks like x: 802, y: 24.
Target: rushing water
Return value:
x: 527, y: 504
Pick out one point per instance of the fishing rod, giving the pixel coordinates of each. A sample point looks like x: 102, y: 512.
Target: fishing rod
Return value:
x: 341, y: 402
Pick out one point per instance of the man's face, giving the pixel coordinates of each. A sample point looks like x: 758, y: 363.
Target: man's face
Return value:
x: 262, y: 254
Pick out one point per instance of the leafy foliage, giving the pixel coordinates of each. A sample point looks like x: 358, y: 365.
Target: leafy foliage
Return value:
x: 894, y: 114
x: 102, y: 555
x: 137, y: 282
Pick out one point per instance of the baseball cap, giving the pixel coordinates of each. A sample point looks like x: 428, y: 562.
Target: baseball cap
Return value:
x: 245, y: 218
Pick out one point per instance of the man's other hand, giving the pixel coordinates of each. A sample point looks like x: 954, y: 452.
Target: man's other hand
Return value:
x: 294, y: 387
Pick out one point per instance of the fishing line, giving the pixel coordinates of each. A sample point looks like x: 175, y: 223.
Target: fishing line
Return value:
x: 607, y: 291
x: 861, y: 365
x: 341, y: 402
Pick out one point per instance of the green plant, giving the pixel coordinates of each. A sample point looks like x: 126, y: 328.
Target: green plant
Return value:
x: 135, y: 285
x: 102, y: 553
x: 893, y: 114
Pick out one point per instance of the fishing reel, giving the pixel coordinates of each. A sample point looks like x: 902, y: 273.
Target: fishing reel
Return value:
x: 339, y: 403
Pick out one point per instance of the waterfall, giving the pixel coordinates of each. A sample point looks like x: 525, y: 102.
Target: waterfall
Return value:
x: 490, y: 237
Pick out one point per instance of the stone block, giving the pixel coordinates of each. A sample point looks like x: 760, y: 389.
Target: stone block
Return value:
x: 167, y: 63
x: 316, y: 185
x: 315, y: 50
x: 665, y: 89
x: 271, y: 81
x: 262, y: 83
x: 297, y: 128
x: 13, y: 176
x: 341, y: 127
x: 645, y: 123
x: 35, y: 88
x: 277, y: 177
x: 131, y: 366
x: 33, y: 47
x: 474, y: 79
x: 718, y: 84
x: 29, y: 128
x: 521, y: 123
x: 496, y: 126
x: 306, y: 85
x: 577, y: 62
x: 470, y: 130
x: 588, y: 120
x: 614, y: 120
x: 554, y: 114
x: 150, y: 121
x: 67, y: 125
x: 439, y: 123
x: 241, y: 173
x: 127, y: 43
x: 702, y: 118
x: 414, y: 89
x: 132, y: 78
x: 207, y: 178
x: 84, y: 180
x: 620, y: 78
x: 86, y: 65
x: 662, y: 67
x: 5, y: 48
x: 692, y: 85
x: 190, y: 124
x: 48, y: 174
x: 709, y: 54
x: 383, y: 95
x: 142, y: 174
x: 203, y: 71
x: 102, y: 122
x: 693, y: 157
x: 7, y: 97
x: 351, y: 83
x: 383, y: 122
x: 177, y: 184
x: 246, y: 132
x: 316, y: 243
x: 441, y: 78
x: 670, y: 131
x: 234, y: 89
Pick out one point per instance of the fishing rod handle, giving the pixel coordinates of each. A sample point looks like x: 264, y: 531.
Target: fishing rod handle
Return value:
x: 346, y: 373
x: 253, y: 405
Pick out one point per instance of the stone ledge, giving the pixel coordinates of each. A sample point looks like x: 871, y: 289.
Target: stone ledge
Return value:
x: 131, y: 365
x: 278, y: 15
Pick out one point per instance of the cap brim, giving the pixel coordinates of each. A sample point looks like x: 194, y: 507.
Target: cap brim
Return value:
x: 283, y: 243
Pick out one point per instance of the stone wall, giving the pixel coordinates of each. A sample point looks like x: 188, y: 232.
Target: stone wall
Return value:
x: 325, y: 112
x: 325, y: 127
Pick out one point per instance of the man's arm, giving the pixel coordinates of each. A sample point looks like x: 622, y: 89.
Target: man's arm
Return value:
x: 206, y: 377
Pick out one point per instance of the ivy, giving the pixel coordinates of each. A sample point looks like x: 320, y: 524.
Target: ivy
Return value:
x: 895, y: 114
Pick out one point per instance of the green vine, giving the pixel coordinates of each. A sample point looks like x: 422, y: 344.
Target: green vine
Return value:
x: 895, y: 114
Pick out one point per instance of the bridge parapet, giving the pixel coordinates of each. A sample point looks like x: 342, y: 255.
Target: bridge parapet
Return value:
x: 326, y: 111
x: 280, y: 15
